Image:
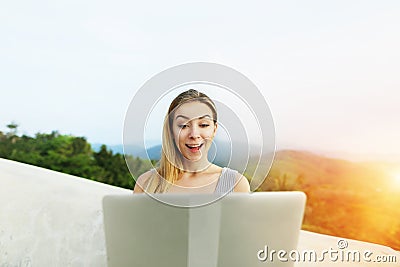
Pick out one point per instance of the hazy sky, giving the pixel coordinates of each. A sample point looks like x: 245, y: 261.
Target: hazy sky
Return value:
x: 330, y: 70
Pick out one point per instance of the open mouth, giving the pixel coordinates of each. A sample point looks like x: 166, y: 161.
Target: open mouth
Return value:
x: 194, y: 147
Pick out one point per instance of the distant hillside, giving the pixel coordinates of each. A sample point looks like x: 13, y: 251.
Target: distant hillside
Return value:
x: 218, y: 156
x: 348, y: 199
x: 314, y: 169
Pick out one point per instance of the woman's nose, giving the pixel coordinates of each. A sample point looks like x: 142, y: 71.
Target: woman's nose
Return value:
x: 194, y: 132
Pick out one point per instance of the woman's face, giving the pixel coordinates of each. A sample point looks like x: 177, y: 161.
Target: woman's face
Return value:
x: 193, y: 129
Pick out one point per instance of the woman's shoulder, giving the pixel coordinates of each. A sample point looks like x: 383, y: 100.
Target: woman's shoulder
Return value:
x: 232, y: 180
x: 241, y: 182
x: 143, y: 177
x: 143, y: 180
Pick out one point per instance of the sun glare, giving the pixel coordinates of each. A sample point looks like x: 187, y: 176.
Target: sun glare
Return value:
x: 397, y: 179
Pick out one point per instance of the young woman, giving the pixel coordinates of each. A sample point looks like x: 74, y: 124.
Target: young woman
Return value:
x: 189, y: 128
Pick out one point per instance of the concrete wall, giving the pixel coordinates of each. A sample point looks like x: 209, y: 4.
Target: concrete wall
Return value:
x: 49, y: 218
x: 52, y: 219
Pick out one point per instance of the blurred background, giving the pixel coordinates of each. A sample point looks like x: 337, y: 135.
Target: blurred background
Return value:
x: 328, y: 70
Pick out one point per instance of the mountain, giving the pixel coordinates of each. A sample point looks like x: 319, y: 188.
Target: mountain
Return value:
x: 357, y: 200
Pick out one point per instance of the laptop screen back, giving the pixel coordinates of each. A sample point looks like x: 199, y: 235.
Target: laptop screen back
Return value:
x: 232, y: 231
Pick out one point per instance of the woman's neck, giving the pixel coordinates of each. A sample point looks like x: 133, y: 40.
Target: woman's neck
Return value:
x: 196, y: 166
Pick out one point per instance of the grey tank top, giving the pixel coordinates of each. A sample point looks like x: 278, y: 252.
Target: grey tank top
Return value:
x: 226, y: 181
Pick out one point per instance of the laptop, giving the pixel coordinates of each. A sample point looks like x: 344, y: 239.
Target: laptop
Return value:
x: 202, y: 230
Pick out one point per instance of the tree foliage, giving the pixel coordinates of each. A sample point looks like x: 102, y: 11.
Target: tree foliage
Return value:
x: 72, y: 155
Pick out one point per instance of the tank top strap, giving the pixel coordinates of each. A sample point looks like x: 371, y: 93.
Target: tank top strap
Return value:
x: 226, y: 181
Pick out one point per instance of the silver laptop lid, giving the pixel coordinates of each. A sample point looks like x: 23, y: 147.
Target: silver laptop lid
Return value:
x: 235, y: 230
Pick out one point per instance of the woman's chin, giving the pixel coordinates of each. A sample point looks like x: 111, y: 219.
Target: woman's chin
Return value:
x: 195, y: 158
x: 192, y: 158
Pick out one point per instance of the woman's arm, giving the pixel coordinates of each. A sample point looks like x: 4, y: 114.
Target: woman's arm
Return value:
x: 242, y: 185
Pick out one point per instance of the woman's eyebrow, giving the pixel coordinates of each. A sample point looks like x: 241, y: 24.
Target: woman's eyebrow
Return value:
x: 184, y: 117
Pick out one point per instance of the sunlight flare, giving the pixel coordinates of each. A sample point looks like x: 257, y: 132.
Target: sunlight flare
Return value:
x: 396, y: 179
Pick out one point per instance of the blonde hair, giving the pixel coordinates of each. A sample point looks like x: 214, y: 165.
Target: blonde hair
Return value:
x: 170, y: 164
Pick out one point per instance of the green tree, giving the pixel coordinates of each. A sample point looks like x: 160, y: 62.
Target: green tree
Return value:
x: 72, y: 155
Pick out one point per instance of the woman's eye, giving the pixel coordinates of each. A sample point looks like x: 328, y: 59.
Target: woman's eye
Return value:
x: 204, y: 125
x: 182, y: 126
